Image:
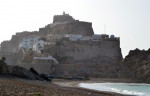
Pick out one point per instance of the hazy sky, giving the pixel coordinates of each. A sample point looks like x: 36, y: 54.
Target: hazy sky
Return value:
x: 128, y: 19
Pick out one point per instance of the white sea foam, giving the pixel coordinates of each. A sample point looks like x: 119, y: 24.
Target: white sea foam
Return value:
x: 123, y: 88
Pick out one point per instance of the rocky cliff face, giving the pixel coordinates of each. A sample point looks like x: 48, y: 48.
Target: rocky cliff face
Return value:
x: 138, y: 64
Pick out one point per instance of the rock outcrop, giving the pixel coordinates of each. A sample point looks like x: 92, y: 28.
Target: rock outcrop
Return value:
x: 17, y: 71
x: 138, y: 64
x: 22, y: 72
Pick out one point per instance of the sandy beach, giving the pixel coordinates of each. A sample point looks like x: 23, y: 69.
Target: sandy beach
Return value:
x: 69, y: 83
x: 13, y: 86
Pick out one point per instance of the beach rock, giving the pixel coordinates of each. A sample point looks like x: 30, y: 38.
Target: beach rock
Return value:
x: 17, y: 71
x: 22, y: 72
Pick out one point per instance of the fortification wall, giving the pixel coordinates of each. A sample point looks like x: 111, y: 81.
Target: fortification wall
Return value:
x: 94, y: 59
x: 25, y: 59
x: 80, y: 28
x: 40, y: 66
x: 63, y: 18
x: 91, y: 70
x: 86, y: 52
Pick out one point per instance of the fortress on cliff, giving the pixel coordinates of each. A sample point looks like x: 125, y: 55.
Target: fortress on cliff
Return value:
x: 69, y: 42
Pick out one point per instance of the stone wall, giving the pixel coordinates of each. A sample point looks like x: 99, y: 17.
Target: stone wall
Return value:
x: 11, y: 57
x: 86, y: 52
x: 79, y: 28
x: 88, y: 55
x: 81, y: 58
x: 91, y: 70
x: 25, y: 59
x: 40, y: 66
x: 63, y: 18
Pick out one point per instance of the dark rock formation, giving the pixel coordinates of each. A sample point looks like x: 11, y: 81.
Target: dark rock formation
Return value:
x: 138, y: 64
x: 17, y: 71
x: 22, y: 72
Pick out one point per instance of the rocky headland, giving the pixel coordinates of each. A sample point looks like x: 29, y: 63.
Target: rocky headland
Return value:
x: 138, y: 64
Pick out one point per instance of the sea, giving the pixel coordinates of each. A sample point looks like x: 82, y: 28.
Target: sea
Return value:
x: 123, y: 88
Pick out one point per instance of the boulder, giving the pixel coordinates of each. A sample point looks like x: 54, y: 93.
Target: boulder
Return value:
x: 22, y: 72
x: 17, y: 71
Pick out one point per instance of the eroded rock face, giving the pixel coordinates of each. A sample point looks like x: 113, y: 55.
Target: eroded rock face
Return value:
x: 17, y: 71
x: 22, y: 72
x: 138, y: 62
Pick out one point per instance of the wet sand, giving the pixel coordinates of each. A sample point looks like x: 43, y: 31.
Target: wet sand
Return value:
x: 12, y: 86
x: 70, y: 83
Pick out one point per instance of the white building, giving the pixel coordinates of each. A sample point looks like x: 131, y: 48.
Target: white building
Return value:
x: 74, y: 37
x: 46, y: 58
x: 71, y: 37
x: 98, y: 37
x: 86, y: 38
x: 28, y: 42
x: 39, y: 45
x: 55, y: 36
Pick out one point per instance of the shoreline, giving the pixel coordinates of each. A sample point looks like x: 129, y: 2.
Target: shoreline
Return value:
x: 14, y: 86
x: 70, y: 83
x: 75, y: 84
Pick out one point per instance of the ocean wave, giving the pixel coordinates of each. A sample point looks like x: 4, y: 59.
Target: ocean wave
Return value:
x: 122, y: 88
